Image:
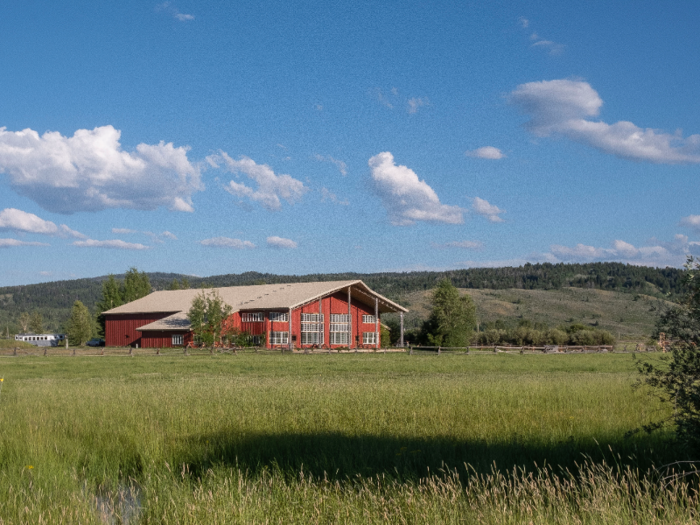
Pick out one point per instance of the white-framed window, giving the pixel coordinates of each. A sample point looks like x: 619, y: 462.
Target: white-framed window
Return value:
x: 311, y: 338
x: 339, y: 329
x: 253, y: 317
x: 312, y: 318
x: 369, y: 338
x: 177, y: 340
x: 279, y: 338
x: 280, y: 317
x: 339, y: 338
x: 369, y: 319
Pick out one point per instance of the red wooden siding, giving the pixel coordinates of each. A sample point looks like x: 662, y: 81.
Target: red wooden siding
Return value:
x: 163, y: 339
x: 120, y: 329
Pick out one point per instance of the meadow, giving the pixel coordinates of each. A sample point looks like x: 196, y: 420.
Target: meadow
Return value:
x: 373, y: 438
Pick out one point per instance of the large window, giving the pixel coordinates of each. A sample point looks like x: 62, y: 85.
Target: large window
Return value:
x: 367, y: 319
x: 279, y: 317
x: 279, y: 338
x: 339, y: 329
x: 312, y: 329
x: 177, y: 340
x: 369, y: 338
x: 253, y: 317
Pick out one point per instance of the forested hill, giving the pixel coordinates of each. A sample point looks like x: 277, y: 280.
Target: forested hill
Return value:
x: 60, y: 295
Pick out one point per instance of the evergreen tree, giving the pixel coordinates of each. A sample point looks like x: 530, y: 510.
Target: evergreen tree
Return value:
x: 36, y: 322
x: 174, y: 285
x: 452, y: 319
x: 80, y: 324
x: 136, y: 285
x: 111, y: 298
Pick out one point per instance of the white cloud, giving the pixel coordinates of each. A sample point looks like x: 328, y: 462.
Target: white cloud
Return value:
x: 468, y: 245
x: 174, y: 12
x: 342, y: 167
x: 279, y: 242
x: 169, y: 235
x: 21, y: 221
x: 691, y: 221
x: 486, y: 152
x: 327, y: 195
x: 552, y: 47
x: 563, y: 107
x: 657, y: 253
x: 123, y: 231
x: 524, y: 22
x: 406, y: 198
x: 115, y: 244
x: 383, y: 100
x: 415, y: 103
x: 270, y: 187
x: 490, y: 211
x: 89, y: 171
x: 318, y: 107
x: 226, y: 242
x: 11, y: 243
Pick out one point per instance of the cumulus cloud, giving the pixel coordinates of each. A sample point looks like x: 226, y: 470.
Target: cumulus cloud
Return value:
x: 11, y: 243
x: 565, y: 107
x: 657, y: 253
x: 174, y: 12
x: 21, y: 221
x: 415, y: 103
x: 328, y: 195
x: 155, y: 237
x: 486, y: 152
x: 691, y: 221
x: 485, y: 209
x: 270, y: 187
x: 342, y: 167
x: 406, y: 198
x: 89, y: 171
x: 226, y: 242
x: 280, y: 242
x: 114, y: 244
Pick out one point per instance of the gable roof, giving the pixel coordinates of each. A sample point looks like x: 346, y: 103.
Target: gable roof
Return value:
x: 256, y: 297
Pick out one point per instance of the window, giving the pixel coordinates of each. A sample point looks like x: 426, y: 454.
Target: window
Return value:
x: 279, y: 338
x: 312, y: 329
x: 177, y: 340
x: 367, y: 319
x: 311, y: 318
x: 369, y: 338
x: 339, y: 329
x: 253, y: 317
x: 279, y: 316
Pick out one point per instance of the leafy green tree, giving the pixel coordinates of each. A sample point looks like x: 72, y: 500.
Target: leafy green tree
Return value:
x: 677, y: 379
x: 452, y: 319
x: 174, y: 285
x: 207, y: 316
x: 36, y: 322
x: 24, y: 320
x: 111, y: 298
x: 80, y: 324
x: 136, y: 285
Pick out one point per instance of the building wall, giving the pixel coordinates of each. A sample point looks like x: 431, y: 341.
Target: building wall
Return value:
x: 163, y: 339
x: 120, y: 329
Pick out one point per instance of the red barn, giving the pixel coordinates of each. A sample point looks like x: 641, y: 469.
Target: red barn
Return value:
x: 298, y: 315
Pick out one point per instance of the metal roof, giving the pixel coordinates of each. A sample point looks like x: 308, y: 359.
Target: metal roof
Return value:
x: 256, y: 297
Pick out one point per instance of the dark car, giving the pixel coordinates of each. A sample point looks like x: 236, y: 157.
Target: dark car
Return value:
x: 96, y: 342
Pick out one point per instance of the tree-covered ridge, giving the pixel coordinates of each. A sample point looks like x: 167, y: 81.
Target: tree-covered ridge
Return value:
x: 55, y: 299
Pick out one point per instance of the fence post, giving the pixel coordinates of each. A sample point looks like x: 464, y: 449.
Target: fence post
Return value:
x: 157, y: 351
x: 73, y: 351
x: 131, y: 351
x: 45, y: 349
x: 438, y: 350
x: 14, y: 351
x: 410, y: 350
x: 185, y: 352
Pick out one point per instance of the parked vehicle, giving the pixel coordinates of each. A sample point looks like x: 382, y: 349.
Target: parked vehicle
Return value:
x: 41, y: 339
x: 96, y: 342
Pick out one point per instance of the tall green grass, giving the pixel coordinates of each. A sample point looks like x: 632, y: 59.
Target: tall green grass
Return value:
x: 331, y: 438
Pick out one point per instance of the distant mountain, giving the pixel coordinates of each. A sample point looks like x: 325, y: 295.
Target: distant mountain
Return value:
x: 54, y: 299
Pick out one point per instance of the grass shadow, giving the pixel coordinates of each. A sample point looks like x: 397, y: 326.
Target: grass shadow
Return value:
x: 339, y: 456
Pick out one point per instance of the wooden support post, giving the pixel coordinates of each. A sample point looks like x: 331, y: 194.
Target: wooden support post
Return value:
x: 438, y: 350
x: 350, y: 318
x: 45, y: 349
x: 320, y: 325
x: 14, y: 351
x: 291, y: 343
x: 185, y: 352
x: 376, y: 322
x: 73, y: 351
x: 157, y: 351
x: 131, y: 351
x: 401, y: 334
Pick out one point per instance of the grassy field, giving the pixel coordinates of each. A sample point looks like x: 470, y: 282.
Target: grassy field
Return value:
x: 374, y: 438
x: 625, y: 315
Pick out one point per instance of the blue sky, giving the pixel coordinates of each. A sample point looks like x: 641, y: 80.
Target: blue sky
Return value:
x: 300, y: 137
